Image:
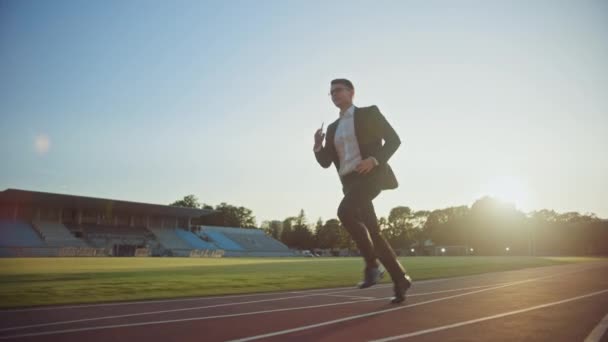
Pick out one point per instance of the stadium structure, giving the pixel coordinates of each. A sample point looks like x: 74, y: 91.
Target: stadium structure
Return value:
x: 40, y: 224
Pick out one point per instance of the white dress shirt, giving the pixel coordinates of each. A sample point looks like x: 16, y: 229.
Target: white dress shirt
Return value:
x: 346, y: 143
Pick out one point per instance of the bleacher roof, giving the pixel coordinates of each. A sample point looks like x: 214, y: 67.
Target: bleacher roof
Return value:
x: 51, y: 200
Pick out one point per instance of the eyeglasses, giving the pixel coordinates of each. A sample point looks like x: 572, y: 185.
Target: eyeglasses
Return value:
x: 336, y: 90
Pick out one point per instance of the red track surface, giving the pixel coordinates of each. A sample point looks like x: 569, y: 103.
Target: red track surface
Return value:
x: 559, y: 303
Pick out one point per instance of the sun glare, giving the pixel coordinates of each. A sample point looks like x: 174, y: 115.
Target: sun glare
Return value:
x: 42, y: 144
x: 507, y: 189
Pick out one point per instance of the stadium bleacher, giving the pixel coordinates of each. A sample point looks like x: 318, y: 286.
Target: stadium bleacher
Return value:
x: 29, y: 252
x: 222, y: 241
x: 18, y: 234
x: 40, y: 238
x: 57, y: 235
x: 135, y: 232
x: 169, y: 239
x: 258, y: 241
x: 114, y: 240
x: 244, y: 242
x: 194, y: 241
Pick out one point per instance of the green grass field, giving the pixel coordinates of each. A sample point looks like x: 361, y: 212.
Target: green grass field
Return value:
x: 46, y: 281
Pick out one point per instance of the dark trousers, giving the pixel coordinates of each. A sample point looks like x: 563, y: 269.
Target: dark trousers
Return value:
x: 357, y: 214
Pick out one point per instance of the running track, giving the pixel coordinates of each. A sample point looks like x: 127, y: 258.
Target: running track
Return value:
x: 557, y: 303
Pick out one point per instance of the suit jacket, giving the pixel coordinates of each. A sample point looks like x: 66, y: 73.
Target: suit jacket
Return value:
x: 370, y: 129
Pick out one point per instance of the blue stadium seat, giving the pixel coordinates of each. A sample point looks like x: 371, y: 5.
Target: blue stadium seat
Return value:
x: 222, y: 241
x: 18, y: 234
x: 194, y: 240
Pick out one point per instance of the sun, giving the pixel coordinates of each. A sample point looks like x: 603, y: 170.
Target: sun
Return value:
x: 42, y: 144
x: 507, y: 189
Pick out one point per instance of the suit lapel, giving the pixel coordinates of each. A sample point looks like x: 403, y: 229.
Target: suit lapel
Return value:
x: 357, y: 122
x: 331, y: 134
x: 331, y: 129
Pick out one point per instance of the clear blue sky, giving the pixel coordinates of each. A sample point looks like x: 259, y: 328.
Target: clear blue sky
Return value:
x: 152, y: 100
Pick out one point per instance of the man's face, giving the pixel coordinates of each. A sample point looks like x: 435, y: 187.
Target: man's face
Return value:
x: 341, y: 94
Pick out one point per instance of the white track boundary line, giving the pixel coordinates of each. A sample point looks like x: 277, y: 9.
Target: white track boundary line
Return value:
x: 374, y: 313
x: 599, y: 330
x: 205, y: 307
x: 346, y: 296
x: 454, y: 290
x: 54, y: 332
x: 504, y: 314
x: 154, y: 312
x: 346, y: 288
x: 311, y: 292
x: 193, y: 299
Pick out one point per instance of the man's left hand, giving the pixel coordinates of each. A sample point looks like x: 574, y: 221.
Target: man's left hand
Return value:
x: 366, y: 165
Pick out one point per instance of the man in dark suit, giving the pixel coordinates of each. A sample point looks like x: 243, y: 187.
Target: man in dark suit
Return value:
x: 354, y: 145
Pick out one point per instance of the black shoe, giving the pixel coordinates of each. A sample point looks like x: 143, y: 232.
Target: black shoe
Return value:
x: 401, y: 287
x: 371, y: 277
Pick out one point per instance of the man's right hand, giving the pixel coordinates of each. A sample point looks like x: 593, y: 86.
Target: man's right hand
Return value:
x: 319, y: 136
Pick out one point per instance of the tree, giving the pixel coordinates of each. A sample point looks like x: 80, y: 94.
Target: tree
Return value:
x: 346, y: 241
x: 273, y: 228
x: 227, y: 215
x: 287, y: 232
x: 189, y: 201
x: 300, y: 220
x: 399, y: 230
x: 328, y: 234
x: 495, y: 225
x: 419, y: 219
x: 302, y: 237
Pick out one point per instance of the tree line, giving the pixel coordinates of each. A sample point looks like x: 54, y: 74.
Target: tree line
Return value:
x: 488, y: 227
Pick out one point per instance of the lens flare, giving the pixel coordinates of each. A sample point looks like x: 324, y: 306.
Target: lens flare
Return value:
x: 42, y: 144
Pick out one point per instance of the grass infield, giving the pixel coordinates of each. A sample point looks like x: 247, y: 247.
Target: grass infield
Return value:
x: 49, y: 281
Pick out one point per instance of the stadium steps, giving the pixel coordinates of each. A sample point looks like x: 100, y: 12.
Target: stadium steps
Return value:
x: 18, y: 234
x: 58, y: 235
x: 169, y: 239
x: 194, y: 240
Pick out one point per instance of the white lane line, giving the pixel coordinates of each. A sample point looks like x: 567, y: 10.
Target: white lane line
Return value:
x: 346, y: 296
x: 153, y: 312
x: 196, y: 299
x: 286, y: 309
x: 455, y: 290
x: 346, y: 289
x: 599, y: 331
x: 473, y: 321
x: 374, y: 313
x: 258, y: 301
x: 311, y: 292
x: 342, y: 289
x: 212, y: 306
x: 54, y: 332
x: 80, y: 306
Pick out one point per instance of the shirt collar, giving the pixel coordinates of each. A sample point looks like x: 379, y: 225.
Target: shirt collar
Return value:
x: 349, y: 112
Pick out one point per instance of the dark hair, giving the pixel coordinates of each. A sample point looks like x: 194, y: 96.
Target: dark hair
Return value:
x: 343, y: 81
